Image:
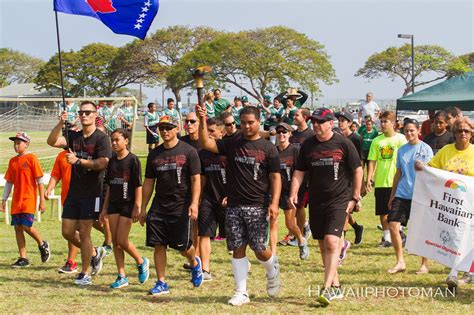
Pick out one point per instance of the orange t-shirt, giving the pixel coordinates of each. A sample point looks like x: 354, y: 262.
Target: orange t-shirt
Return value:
x: 62, y: 171
x: 22, y: 172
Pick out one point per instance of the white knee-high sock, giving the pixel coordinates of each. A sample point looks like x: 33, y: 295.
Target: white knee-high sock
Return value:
x: 386, y: 235
x: 269, y: 266
x: 240, y: 269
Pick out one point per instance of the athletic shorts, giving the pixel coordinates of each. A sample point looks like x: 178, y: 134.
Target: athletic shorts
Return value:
x: 327, y: 221
x: 168, y: 230
x: 303, y: 197
x: 247, y: 226
x: 400, y: 211
x: 25, y: 219
x: 124, y: 209
x: 150, y: 139
x: 382, y: 196
x: 210, y: 214
x: 80, y: 208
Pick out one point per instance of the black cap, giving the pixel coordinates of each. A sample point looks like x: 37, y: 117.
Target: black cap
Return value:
x: 346, y: 116
x: 323, y: 113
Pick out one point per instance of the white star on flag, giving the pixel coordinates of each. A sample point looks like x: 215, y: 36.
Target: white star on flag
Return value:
x: 140, y: 20
x: 148, y: 3
x: 137, y: 26
x: 145, y: 9
x: 142, y: 16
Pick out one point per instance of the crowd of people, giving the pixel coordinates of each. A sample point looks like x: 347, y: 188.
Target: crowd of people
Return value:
x: 277, y: 155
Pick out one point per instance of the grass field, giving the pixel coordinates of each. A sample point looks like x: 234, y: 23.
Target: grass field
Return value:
x: 40, y: 289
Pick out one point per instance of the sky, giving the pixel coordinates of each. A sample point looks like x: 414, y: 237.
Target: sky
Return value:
x: 351, y: 31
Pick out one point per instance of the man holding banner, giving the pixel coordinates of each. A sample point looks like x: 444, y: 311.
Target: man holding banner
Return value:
x: 445, y: 202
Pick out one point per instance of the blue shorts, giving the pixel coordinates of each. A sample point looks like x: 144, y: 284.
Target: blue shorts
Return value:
x: 25, y: 219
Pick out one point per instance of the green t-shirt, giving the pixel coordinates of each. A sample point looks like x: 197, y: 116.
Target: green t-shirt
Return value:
x: 151, y: 119
x: 220, y: 105
x: 211, y: 113
x: 291, y: 116
x: 127, y: 112
x: 236, y: 114
x: 72, y: 112
x: 275, y: 115
x: 367, y: 137
x: 384, y: 151
x: 110, y: 115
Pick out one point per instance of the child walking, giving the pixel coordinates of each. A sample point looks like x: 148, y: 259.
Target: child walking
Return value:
x: 25, y: 175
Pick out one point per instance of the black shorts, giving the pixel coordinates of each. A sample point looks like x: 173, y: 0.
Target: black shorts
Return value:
x: 124, y: 209
x: 168, y: 230
x: 80, y: 208
x: 329, y: 221
x: 382, y: 196
x: 400, y: 211
x: 209, y: 215
x: 364, y: 154
x: 283, y: 202
x: 303, y: 197
x: 150, y: 139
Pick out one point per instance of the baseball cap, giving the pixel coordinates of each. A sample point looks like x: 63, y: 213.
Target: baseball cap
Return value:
x: 323, y: 113
x: 346, y: 116
x: 21, y: 136
x: 168, y: 120
x: 244, y: 98
x: 284, y: 126
x: 236, y: 98
x: 268, y: 98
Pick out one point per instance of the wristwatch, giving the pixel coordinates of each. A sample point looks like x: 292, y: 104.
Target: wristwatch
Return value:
x: 78, y: 162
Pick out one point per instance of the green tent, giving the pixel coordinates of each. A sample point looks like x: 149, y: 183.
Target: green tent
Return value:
x: 457, y: 91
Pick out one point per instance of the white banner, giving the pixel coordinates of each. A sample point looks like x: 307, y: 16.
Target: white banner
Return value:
x: 441, y: 225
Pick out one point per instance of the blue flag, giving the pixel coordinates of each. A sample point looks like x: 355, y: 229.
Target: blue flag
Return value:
x: 130, y: 17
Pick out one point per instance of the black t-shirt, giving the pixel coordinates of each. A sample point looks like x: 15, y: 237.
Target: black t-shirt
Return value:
x: 123, y: 177
x: 87, y: 183
x: 236, y: 134
x: 298, y: 137
x: 249, y: 166
x: 172, y: 169
x: 213, y: 166
x: 288, y: 158
x: 194, y: 143
x: 437, y: 142
x: 330, y: 165
x: 357, y: 142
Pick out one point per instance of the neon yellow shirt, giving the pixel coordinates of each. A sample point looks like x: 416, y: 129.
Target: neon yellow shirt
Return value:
x: 384, y: 151
x: 452, y: 160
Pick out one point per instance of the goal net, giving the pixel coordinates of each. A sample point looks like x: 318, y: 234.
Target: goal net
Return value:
x: 37, y: 116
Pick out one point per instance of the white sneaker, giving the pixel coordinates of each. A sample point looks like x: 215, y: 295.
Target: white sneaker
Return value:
x: 273, y: 284
x: 239, y: 299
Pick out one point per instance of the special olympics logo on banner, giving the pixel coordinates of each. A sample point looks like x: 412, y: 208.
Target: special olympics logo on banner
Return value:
x: 445, y: 237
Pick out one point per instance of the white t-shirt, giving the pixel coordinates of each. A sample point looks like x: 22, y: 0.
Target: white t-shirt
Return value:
x: 369, y: 108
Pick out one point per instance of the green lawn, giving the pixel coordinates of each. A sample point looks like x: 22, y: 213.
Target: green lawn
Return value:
x: 40, y: 288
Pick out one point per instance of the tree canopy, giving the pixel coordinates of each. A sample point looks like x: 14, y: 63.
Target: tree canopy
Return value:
x: 17, y: 67
x: 395, y: 62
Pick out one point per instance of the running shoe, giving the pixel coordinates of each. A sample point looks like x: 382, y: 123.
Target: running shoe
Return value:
x: 337, y: 293
x: 359, y: 233
x: 108, y: 249
x: 120, y: 282
x: 452, y: 282
x: 293, y: 241
x: 304, y: 250
x: 143, y: 270
x: 186, y: 266
x: 196, y: 273
x: 273, y: 283
x: 285, y: 240
x: 83, y: 279
x: 404, y: 237
x: 21, y: 262
x: 385, y: 244
x: 379, y: 227
x: 325, y: 298
x: 307, y: 231
x: 344, y: 249
x: 219, y: 238
x: 160, y: 288
x: 239, y: 299
x: 69, y: 267
x: 467, y: 277
x: 206, y: 276
x: 44, y: 251
x: 97, y: 261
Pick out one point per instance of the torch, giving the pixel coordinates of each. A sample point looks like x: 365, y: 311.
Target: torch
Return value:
x: 198, y: 76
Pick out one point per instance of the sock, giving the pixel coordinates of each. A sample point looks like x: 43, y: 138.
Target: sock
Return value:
x: 453, y: 273
x: 240, y: 270
x: 269, y: 266
x: 386, y: 235
x: 355, y: 225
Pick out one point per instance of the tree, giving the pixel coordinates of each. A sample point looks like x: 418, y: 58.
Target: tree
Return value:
x: 270, y: 59
x: 17, y: 67
x: 98, y: 69
x: 461, y: 64
x: 165, y: 48
x: 395, y: 62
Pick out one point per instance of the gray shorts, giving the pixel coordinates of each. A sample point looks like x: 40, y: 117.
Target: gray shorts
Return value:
x: 247, y: 226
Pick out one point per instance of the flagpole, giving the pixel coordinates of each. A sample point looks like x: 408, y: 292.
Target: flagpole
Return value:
x: 61, y: 73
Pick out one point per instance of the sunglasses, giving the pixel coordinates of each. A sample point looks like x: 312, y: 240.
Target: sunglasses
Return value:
x: 284, y: 132
x: 318, y: 121
x: 166, y: 127
x: 86, y: 112
x: 190, y: 121
x: 466, y: 131
x: 230, y: 124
